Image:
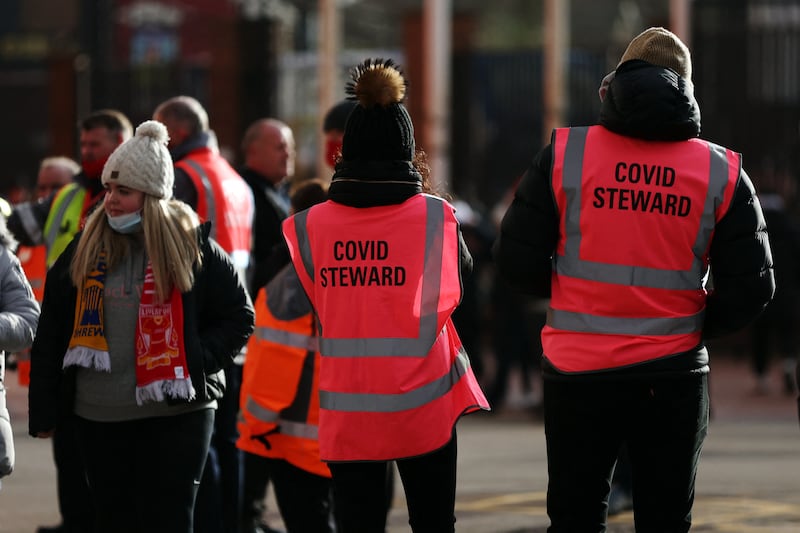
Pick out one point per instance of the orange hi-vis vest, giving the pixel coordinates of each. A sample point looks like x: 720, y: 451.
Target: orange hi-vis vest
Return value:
x: 279, y: 403
x: 34, y: 263
x: 394, y: 377
x: 224, y: 199
x: 636, y: 222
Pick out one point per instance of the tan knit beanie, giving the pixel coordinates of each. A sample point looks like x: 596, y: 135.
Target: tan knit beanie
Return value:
x: 143, y: 162
x: 660, y: 47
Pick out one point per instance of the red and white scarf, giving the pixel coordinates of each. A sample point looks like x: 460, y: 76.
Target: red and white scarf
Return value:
x: 161, y: 369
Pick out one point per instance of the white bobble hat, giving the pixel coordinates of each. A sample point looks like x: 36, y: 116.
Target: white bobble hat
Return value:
x: 143, y: 162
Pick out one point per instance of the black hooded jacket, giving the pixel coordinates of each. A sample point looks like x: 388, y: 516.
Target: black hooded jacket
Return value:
x: 653, y: 103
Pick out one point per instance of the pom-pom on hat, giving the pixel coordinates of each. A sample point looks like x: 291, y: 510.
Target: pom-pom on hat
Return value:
x: 660, y: 47
x: 379, y: 127
x: 143, y: 162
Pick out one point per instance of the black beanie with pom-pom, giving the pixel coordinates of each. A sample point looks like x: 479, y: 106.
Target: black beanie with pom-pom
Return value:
x: 379, y: 127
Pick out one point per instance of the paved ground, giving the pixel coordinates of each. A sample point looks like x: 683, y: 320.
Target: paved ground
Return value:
x: 749, y: 479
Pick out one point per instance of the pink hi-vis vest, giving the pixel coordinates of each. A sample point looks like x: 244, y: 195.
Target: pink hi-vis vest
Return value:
x: 224, y: 199
x: 394, y: 377
x: 636, y: 222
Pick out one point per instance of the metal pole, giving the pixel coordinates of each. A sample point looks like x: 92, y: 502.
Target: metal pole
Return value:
x: 327, y: 71
x: 679, y: 20
x: 437, y: 29
x: 555, y: 76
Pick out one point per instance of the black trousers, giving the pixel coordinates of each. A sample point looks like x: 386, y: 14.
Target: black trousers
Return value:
x: 219, y: 498
x: 662, y: 421
x: 144, y: 474
x: 305, y: 500
x: 256, y: 479
x: 429, y: 483
x: 74, y: 499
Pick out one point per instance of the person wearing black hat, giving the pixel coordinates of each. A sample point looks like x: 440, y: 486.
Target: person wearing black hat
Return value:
x: 381, y: 262
x: 333, y: 130
x: 620, y: 224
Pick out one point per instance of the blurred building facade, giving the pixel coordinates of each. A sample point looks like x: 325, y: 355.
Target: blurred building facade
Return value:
x: 245, y: 59
x: 747, y: 80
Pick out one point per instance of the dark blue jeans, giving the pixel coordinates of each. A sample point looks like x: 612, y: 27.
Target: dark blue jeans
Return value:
x: 663, y: 422
x: 144, y: 473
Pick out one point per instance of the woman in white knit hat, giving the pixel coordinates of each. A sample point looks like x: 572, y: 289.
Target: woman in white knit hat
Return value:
x: 141, y: 313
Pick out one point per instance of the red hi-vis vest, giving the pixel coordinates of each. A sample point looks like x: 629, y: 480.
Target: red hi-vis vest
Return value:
x: 636, y: 222
x: 279, y: 403
x: 225, y: 199
x: 384, y: 281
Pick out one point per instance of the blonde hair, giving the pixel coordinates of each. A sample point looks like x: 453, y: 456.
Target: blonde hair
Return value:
x: 170, y: 239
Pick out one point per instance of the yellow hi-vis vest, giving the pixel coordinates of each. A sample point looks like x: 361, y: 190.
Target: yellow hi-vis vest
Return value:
x: 64, y: 219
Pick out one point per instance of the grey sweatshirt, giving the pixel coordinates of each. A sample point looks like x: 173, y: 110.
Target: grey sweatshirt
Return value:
x: 111, y: 396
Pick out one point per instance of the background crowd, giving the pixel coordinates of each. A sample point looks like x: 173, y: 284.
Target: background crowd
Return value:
x: 106, y: 233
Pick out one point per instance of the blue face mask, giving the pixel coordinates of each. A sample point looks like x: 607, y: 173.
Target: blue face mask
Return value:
x: 127, y: 223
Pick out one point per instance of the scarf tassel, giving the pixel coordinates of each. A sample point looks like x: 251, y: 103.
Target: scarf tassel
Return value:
x: 87, y: 357
x: 158, y: 391
x: 159, y: 375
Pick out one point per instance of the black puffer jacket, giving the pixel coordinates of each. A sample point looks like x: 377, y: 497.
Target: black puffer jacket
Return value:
x: 218, y: 319
x: 653, y: 103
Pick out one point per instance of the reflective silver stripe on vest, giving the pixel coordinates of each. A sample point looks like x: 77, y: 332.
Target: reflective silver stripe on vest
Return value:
x: 211, y: 205
x: 431, y: 279
x: 570, y: 263
x: 286, y: 427
x: 587, y: 323
x: 63, y: 206
x: 286, y: 338
x: 300, y: 220
x: 298, y: 429
x: 392, y: 403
